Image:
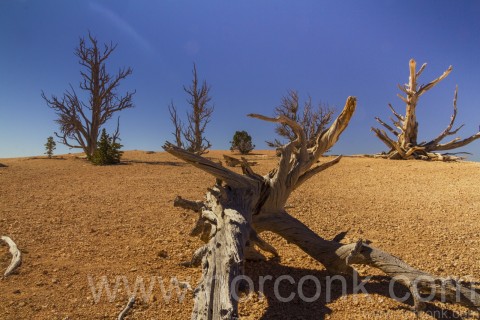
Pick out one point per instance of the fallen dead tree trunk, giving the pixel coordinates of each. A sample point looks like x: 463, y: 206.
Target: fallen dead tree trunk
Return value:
x: 225, y: 225
x: 16, y: 256
x: 239, y: 207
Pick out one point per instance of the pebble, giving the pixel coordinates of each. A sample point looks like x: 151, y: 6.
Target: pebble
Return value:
x: 163, y: 254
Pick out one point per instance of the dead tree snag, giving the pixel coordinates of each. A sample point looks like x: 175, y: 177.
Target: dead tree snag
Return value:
x: 81, y: 121
x: 241, y: 206
x: 192, y: 136
x: 405, y: 127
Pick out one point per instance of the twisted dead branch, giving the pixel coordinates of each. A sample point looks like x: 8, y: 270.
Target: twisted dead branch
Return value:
x: 127, y: 308
x: 16, y: 256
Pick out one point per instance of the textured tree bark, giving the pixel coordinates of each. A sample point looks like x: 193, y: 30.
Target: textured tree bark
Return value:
x: 223, y: 260
x: 239, y: 207
x: 406, y: 146
x: 225, y: 225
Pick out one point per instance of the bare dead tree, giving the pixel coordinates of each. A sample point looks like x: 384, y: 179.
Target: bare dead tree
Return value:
x: 197, y: 117
x: 80, y: 122
x: 241, y: 206
x: 405, y: 127
x: 312, y: 120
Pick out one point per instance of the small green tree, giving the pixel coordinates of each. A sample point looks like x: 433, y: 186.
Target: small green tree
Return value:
x: 107, y: 152
x: 242, y: 142
x: 49, y: 147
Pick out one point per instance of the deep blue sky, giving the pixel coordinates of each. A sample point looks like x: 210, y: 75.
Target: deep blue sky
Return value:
x: 250, y: 52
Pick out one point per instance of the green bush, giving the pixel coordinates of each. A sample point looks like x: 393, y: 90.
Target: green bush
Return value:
x: 49, y: 147
x: 107, y: 152
x: 242, y: 142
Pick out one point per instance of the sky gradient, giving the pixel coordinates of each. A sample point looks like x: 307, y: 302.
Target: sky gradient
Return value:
x: 251, y: 53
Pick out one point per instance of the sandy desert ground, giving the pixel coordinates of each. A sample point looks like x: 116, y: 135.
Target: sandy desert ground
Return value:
x: 78, y: 224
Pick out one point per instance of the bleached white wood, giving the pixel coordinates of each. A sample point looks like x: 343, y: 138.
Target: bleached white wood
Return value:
x: 16, y: 256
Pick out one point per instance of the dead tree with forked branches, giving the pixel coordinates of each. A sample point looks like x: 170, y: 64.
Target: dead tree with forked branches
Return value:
x: 313, y: 120
x: 405, y: 127
x: 81, y: 121
x: 192, y: 136
x: 240, y: 206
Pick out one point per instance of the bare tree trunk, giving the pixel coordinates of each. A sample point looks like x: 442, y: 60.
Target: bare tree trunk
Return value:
x: 225, y: 225
x: 217, y: 293
x: 410, y: 125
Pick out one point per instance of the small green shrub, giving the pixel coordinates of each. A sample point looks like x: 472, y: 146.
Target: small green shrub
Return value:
x: 49, y: 147
x: 242, y: 142
x: 107, y: 152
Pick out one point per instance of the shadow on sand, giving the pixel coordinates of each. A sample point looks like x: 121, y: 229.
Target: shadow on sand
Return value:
x: 317, y: 309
